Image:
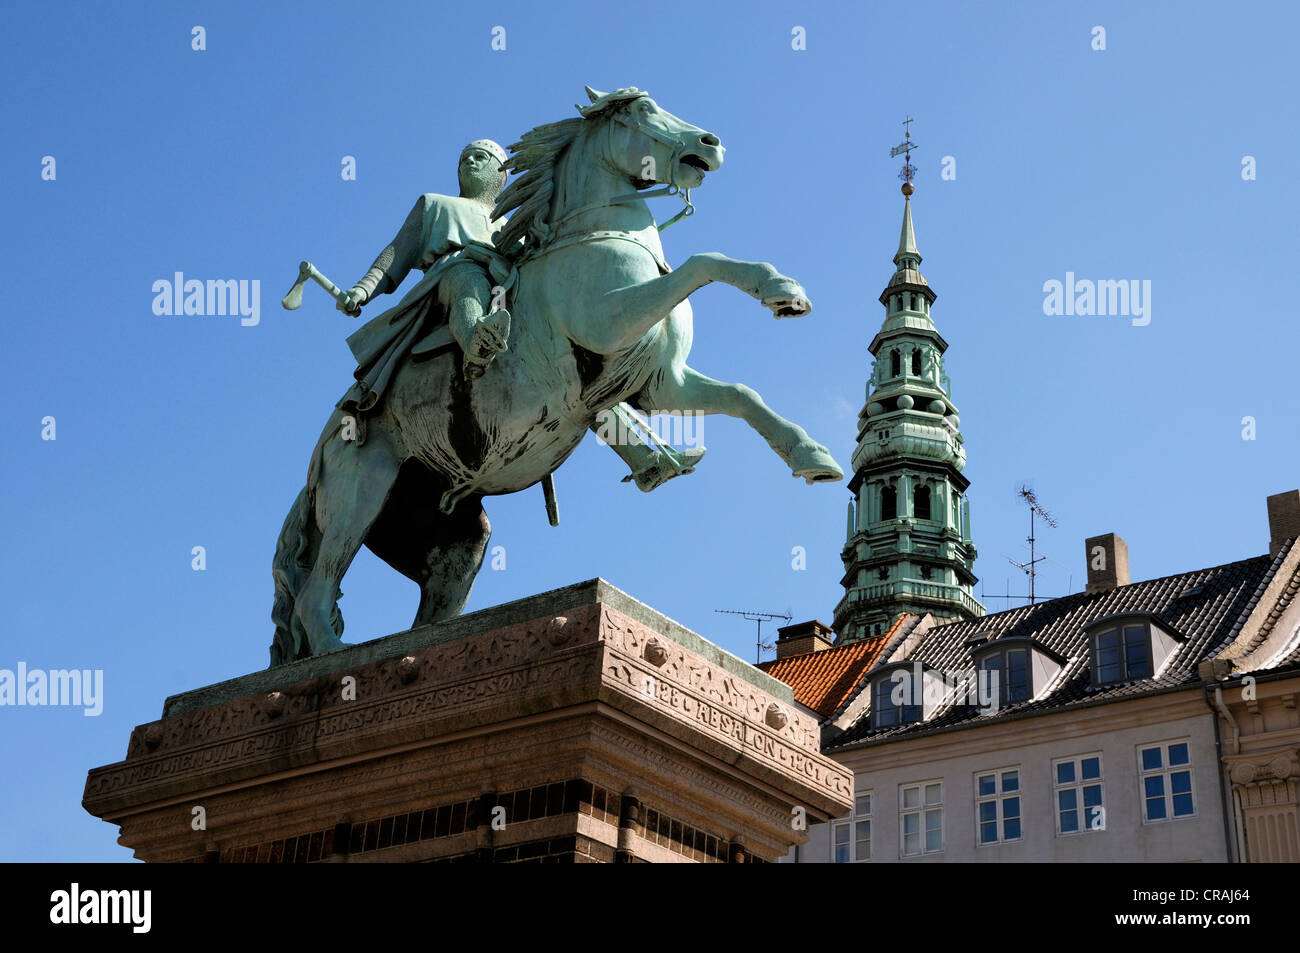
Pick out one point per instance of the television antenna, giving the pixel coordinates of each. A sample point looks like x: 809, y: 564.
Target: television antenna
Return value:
x: 1035, y: 510
x: 753, y: 615
x: 1030, y: 568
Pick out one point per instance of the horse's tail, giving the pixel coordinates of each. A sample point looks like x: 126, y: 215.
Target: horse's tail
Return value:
x: 295, y: 554
x: 290, y: 574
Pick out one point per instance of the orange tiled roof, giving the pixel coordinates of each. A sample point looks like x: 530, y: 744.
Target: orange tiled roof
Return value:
x: 824, y: 680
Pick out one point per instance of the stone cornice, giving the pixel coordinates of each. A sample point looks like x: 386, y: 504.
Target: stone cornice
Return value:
x: 551, y: 667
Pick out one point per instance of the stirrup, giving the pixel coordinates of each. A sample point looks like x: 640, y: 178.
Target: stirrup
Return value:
x: 666, y: 465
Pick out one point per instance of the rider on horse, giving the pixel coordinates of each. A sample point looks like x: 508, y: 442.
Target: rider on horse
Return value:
x: 451, y: 240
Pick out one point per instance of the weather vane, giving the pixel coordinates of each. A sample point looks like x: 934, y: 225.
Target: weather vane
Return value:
x: 904, y: 149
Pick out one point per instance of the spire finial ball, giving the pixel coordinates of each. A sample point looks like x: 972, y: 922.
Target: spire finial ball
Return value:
x: 908, y: 188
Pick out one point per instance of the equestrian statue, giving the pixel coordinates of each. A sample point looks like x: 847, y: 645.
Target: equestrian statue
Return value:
x: 523, y: 334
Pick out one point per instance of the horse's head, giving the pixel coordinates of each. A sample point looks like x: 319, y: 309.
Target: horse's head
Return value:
x: 650, y: 145
x: 622, y: 135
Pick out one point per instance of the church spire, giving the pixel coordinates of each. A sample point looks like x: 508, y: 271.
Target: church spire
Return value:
x: 908, y: 547
x: 907, y: 240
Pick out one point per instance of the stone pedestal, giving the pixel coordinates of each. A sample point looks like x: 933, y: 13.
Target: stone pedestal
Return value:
x: 576, y: 725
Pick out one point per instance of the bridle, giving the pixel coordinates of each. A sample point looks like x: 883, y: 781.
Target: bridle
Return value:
x: 677, y: 146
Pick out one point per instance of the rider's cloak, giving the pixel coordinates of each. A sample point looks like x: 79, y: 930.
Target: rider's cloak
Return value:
x: 440, y: 232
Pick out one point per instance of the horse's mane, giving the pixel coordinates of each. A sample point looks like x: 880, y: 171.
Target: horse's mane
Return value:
x: 535, y: 155
x: 529, y: 196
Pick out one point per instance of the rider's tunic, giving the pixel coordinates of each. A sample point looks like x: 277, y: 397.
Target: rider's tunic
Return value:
x: 441, y: 232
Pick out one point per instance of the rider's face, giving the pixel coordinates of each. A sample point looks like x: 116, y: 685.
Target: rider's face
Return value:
x: 480, y: 175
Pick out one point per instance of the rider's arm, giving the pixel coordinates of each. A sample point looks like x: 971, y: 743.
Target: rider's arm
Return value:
x: 401, y: 255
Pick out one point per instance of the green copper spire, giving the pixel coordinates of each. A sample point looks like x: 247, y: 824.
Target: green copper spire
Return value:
x: 907, y: 240
x: 908, y: 547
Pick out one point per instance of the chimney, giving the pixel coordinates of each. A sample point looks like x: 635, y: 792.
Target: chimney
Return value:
x: 1283, y: 519
x: 802, y: 638
x: 1107, y: 560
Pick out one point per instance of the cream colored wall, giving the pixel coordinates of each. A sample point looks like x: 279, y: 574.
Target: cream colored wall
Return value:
x: 1116, y: 730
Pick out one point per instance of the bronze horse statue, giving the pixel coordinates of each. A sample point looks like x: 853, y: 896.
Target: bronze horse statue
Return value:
x: 599, y: 319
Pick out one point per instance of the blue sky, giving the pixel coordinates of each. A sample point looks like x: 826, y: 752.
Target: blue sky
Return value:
x: 175, y: 432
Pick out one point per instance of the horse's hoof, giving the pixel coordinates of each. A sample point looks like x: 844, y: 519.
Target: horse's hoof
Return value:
x: 814, y: 463
x: 331, y: 644
x: 785, y: 297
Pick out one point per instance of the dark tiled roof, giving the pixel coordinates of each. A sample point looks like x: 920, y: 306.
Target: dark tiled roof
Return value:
x: 824, y: 680
x: 1266, y: 628
x: 1207, y: 606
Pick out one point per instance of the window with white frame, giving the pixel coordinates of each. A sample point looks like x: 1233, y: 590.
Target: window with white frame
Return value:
x: 1077, y: 785
x: 920, y: 808
x: 1121, y: 652
x: 895, y: 699
x: 1166, y: 781
x: 997, y: 806
x: 851, y: 838
x: 1011, y: 665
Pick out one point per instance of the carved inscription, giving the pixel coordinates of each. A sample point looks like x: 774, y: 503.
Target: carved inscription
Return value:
x: 705, y: 681
x: 308, y: 734
x: 724, y: 705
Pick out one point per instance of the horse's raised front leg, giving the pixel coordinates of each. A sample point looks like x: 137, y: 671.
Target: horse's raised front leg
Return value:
x: 690, y: 391
x: 628, y: 313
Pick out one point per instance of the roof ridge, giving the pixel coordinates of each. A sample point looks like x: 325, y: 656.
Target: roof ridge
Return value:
x: 1255, y: 597
x: 1130, y: 586
x: 819, y: 653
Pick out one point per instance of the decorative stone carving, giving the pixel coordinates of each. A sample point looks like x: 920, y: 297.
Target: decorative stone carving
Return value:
x: 274, y: 704
x: 1266, y: 766
x: 655, y: 652
x: 559, y: 630
x: 408, y: 669
x: 775, y: 716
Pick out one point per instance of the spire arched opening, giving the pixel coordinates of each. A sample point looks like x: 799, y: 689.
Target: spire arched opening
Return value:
x: 921, y: 502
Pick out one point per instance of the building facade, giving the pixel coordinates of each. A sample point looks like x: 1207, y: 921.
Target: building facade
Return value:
x: 1153, y: 721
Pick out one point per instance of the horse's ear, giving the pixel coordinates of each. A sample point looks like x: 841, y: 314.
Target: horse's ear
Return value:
x: 592, y: 94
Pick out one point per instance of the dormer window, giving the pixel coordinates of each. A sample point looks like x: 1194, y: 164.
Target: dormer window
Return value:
x: 1010, y: 667
x: 886, y: 711
x: 1128, y: 648
x: 905, y: 692
x: 1123, y: 653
